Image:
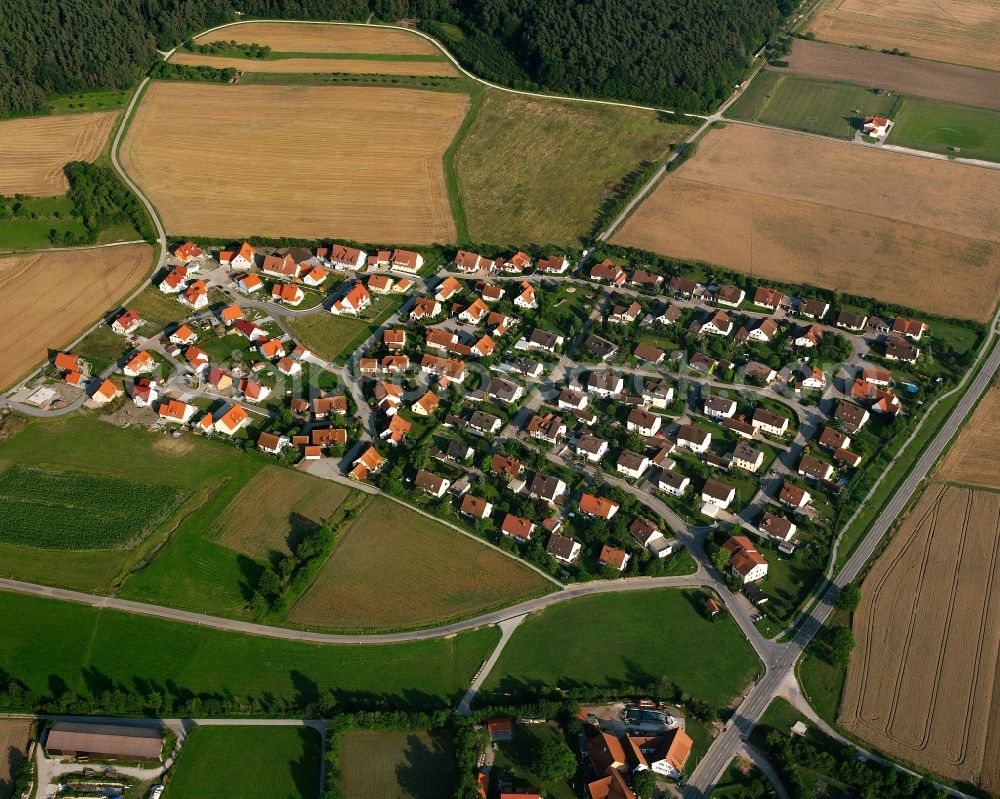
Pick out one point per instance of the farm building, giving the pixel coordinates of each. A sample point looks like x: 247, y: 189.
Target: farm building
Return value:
x: 104, y: 741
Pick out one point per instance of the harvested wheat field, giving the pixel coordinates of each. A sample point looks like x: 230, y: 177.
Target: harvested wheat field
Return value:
x: 923, y: 682
x: 347, y: 162
x: 295, y: 505
x: 34, y: 151
x: 972, y: 458
x: 394, y: 568
x: 958, y: 31
x: 50, y: 298
x: 311, y: 37
x: 14, y: 739
x: 914, y: 231
x: 370, y: 66
x: 950, y: 82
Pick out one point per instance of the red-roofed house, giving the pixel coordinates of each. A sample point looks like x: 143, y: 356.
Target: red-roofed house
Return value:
x: 126, y: 323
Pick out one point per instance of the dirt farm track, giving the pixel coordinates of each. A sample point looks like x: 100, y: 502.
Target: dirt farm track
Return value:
x: 52, y: 297
x: 784, y: 206
x: 33, y: 151
x: 956, y: 31
x: 923, y: 683
x: 304, y: 161
x: 972, y: 459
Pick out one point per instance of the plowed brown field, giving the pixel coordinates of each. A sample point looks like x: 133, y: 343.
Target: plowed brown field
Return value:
x: 311, y: 37
x: 923, y: 682
x: 349, y: 162
x: 950, y: 82
x: 50, y: 298
x: 957, y: 31
x: 915, y: 231
x: 13, y: 745
x: 393, y: 568
x: 973, y: 457
x: 317, y: 65
x: 34, y: 151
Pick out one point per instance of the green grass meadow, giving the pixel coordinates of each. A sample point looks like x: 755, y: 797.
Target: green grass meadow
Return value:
x: 248, y: 762
x: 89, y: 650
x: 205, y: 473
x: 812, y: 106
x: 630, y: 638
x: 947, y: 128
x: 394, y: 764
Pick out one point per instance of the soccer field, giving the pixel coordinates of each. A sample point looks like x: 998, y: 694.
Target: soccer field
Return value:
x: 947, y: 128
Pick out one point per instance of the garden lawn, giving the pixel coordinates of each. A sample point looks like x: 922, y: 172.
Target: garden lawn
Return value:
x: 334, y: 338
x: 159, y: 310
x: 102, y: 347
x: 394, y: 568
x: 119, y: 460
x: 947, y: 128
x: 89, y: 650
x: 631, y: 638
x: 516, y: 756
x: 396, y: 765
x: 248, y: 762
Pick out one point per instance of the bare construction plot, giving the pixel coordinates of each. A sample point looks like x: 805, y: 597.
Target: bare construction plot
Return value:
x: 915, y: 231
x: 34, y: 151
x: 349, y: 162
x: 955, y: 84
x: 923, y: 682
x: 972, y: 458
x: 50, y: 298
x: 310, y: 37
x: 957, y: 31
x: 369, y: 66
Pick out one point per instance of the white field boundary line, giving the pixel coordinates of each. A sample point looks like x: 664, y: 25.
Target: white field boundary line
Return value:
x: 453, y: 60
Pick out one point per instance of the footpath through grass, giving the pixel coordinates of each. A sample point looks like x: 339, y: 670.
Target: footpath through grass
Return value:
x: 629, y: 639
x: 90, y: 651
x: 248, y: 762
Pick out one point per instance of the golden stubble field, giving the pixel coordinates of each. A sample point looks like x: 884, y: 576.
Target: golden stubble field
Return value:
x: 369, y: 66
x: 973, y: 456
x: 312, y: 37
x: 957, y: 31
x: 393, y: 568
x: 33, y: 151
x: 277, y: 507
x: 50, y: 298
x: 923, y: 684
x: 916, y: 231
x: 302, y: 161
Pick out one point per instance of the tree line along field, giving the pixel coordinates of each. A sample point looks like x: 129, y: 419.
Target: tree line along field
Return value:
x: 838, y: 109
x: 90, y: 650
x: 629, y: 639
x: 258, y: 762
x: 372, y: 171
x: 538, y: 170
x: 62, y: 510
x: 392, y: 764
x: 392, y: 568
x: 951, y: 83
x: 33, y: 151
x: 922, y: 684
x: 921, y: 233
x: 972, y: 458
x: 958, y: 32
x: 52, y: 297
